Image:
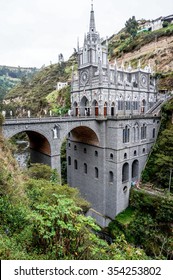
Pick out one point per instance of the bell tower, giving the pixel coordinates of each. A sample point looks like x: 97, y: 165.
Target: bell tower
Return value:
x: 92, y: 54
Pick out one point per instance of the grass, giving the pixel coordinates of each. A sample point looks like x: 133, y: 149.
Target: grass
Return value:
x: 126, y: 216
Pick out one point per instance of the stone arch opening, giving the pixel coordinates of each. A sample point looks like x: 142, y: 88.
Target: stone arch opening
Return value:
x: 113, y: 109
x: 77, y: 145
x: 125, y: 172
x: 39, y: 148
x: 135, y: 170
x: 76, y: 109
x: 85, y: 135
x: 84, y: 107
x: 95, y: 108
x: 105, y: 109
x: 143, y: 106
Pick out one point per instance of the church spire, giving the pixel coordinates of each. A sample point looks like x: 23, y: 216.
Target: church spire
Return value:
x: 92, y: 27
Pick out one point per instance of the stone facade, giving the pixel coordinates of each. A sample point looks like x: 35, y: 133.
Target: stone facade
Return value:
x: 120, y: 100
x: 102, y: 89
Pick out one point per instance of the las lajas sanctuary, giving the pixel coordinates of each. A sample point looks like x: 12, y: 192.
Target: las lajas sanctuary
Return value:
x: 105, y: 163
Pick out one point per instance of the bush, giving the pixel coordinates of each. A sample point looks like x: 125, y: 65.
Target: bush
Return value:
x: 42, y: 171
x: 160, y: 207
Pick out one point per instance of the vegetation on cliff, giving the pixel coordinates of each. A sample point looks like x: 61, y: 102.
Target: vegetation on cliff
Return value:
x: 160, y: 163
x: 147, y: 223
x: 40, y: 219
x: 39, y: 94
x: 11, y: 76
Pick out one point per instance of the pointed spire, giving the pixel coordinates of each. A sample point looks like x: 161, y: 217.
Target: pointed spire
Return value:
x: 92, y: 27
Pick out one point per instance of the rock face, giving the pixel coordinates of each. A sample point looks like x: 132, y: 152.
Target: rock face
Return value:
x: 159, y: 53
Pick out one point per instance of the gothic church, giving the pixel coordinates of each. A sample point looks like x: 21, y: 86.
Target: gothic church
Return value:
x: 105, y: 165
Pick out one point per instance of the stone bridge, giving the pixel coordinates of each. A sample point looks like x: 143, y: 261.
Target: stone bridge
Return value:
x: 46, y: 135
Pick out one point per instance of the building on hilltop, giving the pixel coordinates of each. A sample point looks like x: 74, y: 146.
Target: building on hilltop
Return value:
x: 61, y: 85
x: 155, y: 24
x: 121, y: 101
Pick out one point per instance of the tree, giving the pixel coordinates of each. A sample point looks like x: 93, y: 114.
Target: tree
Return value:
x: 131, y: 26
x: 164, y: 156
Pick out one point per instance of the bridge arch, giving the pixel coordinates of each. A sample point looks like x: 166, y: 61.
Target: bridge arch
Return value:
x: 84, y: 134
x: 78, y: 142
x: 39, y: 144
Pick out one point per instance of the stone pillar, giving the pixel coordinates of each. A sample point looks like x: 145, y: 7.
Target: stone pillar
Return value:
x: 56, y: 163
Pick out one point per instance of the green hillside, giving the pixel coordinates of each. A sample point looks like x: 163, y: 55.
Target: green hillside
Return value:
x: 38, y: 94
x: 11, y: 76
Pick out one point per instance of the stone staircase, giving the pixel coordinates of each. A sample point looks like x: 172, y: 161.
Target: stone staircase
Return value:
x: 155, y: 110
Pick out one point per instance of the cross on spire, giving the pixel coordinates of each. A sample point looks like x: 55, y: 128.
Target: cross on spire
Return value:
x: 91, y: 5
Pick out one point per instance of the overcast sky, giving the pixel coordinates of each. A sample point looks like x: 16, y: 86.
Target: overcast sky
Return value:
x: 34, y: 32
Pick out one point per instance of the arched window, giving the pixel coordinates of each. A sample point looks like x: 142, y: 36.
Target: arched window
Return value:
x: 105, y: 109
x: 136, y: 132
x: 135, y: 153
x: 135, y: 170
x: 85, y: 150
x: 95, y: 108
x: 75, y: 147
x: 125, y: 172
x: 111, y: 177
x: 69, y: 160
x: 125, y: 155
x: 154, y: 132
x: 85, y: 168
x: 96, y: 173
x: 111, y: 156
x: 112, y: 109
x: 96, y: 153
x: 143, y: 106
x: 126, y: 134
x: 76, y: 110
x: 75, y: 164
x: 144, y: 131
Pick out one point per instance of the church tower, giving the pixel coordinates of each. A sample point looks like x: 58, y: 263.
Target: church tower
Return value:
x: 92, y: 52
x: 92, y: 64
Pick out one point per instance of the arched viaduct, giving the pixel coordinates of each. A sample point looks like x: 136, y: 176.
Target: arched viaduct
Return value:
x: 46, y: 135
